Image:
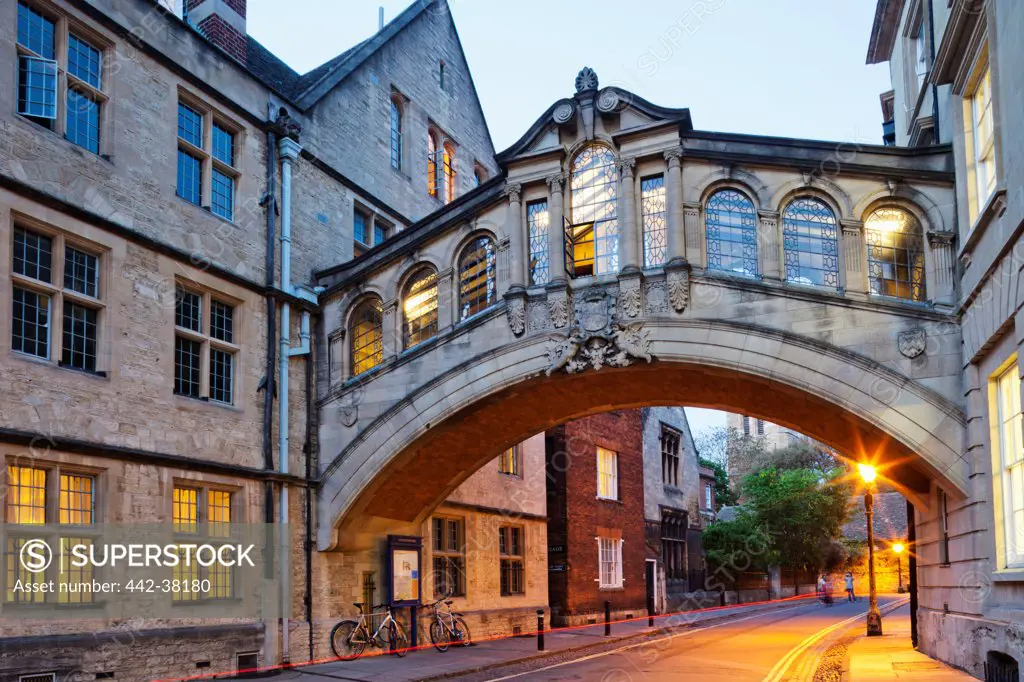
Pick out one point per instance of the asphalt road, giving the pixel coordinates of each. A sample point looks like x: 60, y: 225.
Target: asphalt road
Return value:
x: 758, y: 648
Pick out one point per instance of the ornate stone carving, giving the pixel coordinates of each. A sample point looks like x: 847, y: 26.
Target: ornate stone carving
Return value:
x: 626, y: 166
x: 555, y: 182
x: 678, y: 281
x: 674, y: 156
x: 537, y: 316
x: 586, y: 80
x: 558, y: 308
x: 912, y: 342
x: 513, y: 192
x: 656, y: 298
x: 608, y: 100
x: 629, y: 296
x: 349, y: 406
x: 564, y: 112
x: 515, y: 311
x: 597, y: 339
x: 286, y: 126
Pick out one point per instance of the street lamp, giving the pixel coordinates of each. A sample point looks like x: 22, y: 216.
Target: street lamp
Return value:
x: 868, y: 474
x: 898, y: 549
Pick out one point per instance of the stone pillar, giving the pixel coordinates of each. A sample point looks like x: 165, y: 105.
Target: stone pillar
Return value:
x: 769, y: 255
x: 694, y: 234
x: 556, y: 229
x: 674, y: 205
x: 854, y: 257
x: 628, y: 232
x: 941, y: 285
x: 517, y: 241
x: 446, y: 300
x: 391, y: 328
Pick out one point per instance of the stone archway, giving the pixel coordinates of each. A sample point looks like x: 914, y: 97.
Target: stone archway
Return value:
x: 399, y: 467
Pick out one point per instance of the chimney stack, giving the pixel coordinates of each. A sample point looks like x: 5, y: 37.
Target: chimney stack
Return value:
x: 380, y: 19
x: 222, y: 22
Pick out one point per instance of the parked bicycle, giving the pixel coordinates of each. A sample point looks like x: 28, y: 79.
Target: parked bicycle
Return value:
x: 349, y: 638
x: 447, y: 627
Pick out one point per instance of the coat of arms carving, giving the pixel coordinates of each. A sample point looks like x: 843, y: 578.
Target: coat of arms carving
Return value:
x: 596, y: 339
x: 912, y: 342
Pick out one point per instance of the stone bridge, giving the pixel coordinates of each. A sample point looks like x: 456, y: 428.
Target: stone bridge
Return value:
x: 625, y: 259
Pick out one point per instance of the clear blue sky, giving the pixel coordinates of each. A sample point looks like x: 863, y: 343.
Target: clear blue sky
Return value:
x: 792, y: 68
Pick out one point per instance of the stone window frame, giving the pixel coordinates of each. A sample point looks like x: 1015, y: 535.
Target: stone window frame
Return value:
x: 512, y: 563
x: 808, y: 196
x: 58, y: 294
x: 1006, y: 418
x: 750, y: 231
x: 674, y: 523
x: 208, y: 342
x: 454, y: 558
x: 654, y: 220
x: 609, y: 553
x: 54, y: 532
x: 670, y: 456
x: 416, y: 274
x: 204, y: 531
x: 915, y: 216
x: 510, y: 462
x: 442, y: 176
x: 915, y: 46
x: 209, y: 160
x: 396, y: 130
x: 347, y: 355
x: 465, y: 276
x: 64, y: 27
x: 980, y: 75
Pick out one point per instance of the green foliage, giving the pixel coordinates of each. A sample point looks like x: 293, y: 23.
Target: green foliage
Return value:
x: 802, y: 510
x: 724, y: 495
x: 799, y: 455
x: 735, y: 546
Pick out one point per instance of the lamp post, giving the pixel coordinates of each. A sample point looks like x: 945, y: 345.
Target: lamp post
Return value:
x: 874, y: 619
x: 898, y: 549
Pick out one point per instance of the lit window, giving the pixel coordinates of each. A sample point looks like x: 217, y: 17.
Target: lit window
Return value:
x: 449, y: 172
x: 35, y: 295
x: 26, y: 495
x: 366, y: 334
x: 1009, y: 474
x: 396, y: 133
x: 206, y: 513
x: 811, y: 244
x: 511, y: 461
x: 895, y: 254
x: 652, y: 213
x: 449, y: 557
x: 478, y: 282
x: 979, y: 138
x: 419, y: 306
x: 199, y: 337
x: 538, y: 221
x: 592, y: 240
x: 201, y: 155
x: 607, y: 474
x: 669, y: 456
x: 609, y: 552
x: 731, y: 226
x: 432, y: 165
x: 511, y: 551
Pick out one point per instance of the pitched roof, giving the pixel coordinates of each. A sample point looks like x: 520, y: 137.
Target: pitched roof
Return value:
x: 307, y: 89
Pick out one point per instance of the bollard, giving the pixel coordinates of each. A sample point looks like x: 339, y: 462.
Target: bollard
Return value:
x: 540, y: 629
x: 607, y: 619
x: 650, y: 611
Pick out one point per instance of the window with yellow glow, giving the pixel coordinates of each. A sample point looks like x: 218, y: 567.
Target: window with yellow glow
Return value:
x: 607, y: 474
x: 185, y: 514
x: 979, y: 142
x: 26, y: 495
x: 449, y: 173
x: 1010, y: 471
x: 478, y: 280
x: 432, y: 174
x: 895, y: 244
x: 511, y: 462
x: 76, y: 499
x: 74, y: 576
x: 366, y: 335
x: 218, y: 513
x: 592, y: 239
x: 419, y: 308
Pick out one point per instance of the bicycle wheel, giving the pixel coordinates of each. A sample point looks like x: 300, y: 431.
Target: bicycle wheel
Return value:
x: 347, y: 641
x: 461, y: 631
x: 439, y: 635
x: 397, y: 640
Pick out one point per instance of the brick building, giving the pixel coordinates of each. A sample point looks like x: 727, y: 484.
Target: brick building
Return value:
x: 595, y: 487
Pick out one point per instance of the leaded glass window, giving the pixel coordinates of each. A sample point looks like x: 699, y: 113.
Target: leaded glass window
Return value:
x: 449, y: 173
x: 366, y: 334
x: 538, y: 222
x: 652, y: 212
x: 396, y: 135
x: 811, y: 243
x: 593, y: 236
x: 895, y: 254
x: 731, y: 226
x: 478, y: 281
x: 432, y: 165
x: 419, y: 306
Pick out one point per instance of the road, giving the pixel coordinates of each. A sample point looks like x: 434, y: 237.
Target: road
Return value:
x: 757, y: 648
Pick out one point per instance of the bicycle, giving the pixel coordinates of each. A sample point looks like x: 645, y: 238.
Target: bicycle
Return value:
x: 350, y: 637
x: 447, y: 626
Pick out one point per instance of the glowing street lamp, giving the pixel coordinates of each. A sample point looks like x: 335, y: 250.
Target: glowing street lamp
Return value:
x: 898, y: 548
x: 874, y: 620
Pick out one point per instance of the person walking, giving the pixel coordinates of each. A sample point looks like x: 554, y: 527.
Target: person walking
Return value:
x: 849, y: 587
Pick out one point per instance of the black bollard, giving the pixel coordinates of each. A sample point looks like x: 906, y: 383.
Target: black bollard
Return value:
x: 540, y: 629
x: 607, y: 619
x: 650, y: 611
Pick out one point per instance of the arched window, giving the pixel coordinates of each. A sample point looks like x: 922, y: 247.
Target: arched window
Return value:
x: 895, y: 254
x: 432, y: 173
x: 366, y: 336
x: 592, y: 240
x: 449, y: 173
x: 478, y: 282
x: 419, y: 307
x: 810, y: 240
x: 731, y: 226
x: 396, y: 133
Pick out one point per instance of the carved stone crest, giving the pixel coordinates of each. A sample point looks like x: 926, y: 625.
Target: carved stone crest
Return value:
x: 597, y: 339
x: 586, y: 80
x: 349, y: 407
x: 912, y: 342
x: 515, y: 310
x: 656, y: 298
x: 678, y: 280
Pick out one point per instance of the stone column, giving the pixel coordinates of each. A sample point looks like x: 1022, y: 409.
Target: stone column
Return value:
x: 517, y: 240
x: 941, y: 285
x: 446, y: 300
x: 391, y: 328
x: 769, y: 255
x: 694, y: 234
x: 628, y: 233
x: 556, y: 230
x: 854, y: 258
x: 674, y: 204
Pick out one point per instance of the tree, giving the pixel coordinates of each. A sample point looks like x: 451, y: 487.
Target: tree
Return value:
x: 802, y: 510
x: 724, y: 495
x: 801, y: 454
x: 732, y: 547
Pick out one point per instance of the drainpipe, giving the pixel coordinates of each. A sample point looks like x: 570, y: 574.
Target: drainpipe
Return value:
x: 935, y: 88
x: 270, y: 205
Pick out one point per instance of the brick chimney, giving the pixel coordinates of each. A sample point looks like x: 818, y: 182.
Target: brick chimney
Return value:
x: 222, y: 22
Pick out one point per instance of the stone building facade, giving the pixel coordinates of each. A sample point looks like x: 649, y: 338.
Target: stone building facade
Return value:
x: 955, y: 70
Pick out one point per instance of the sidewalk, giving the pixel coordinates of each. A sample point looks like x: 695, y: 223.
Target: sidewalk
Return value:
x: 891, y: 657
x: 428, y: 664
